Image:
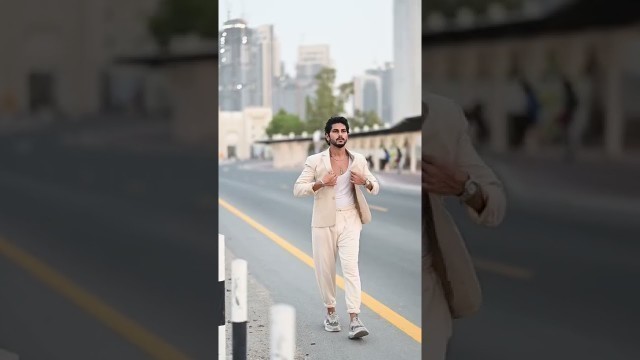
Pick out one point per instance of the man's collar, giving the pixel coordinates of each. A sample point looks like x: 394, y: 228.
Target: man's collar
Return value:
x: 326, y: 152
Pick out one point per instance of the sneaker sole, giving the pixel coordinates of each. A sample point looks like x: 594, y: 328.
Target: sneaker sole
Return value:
x: 332, y: 329
x: 359, y: 334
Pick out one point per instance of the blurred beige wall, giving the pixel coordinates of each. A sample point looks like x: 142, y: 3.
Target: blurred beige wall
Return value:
x: 240, y: 130
x: 71, y: 41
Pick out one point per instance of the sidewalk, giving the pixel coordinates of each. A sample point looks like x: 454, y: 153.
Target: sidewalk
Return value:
x: 259, y: 303
x: 591, y: 182
x: 405, y: 181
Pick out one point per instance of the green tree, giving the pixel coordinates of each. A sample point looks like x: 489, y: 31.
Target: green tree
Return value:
x: 345, y: 91
x: 325, y: 104
x: 284, y: 123
x: 362, y: 118
x: 371, y: 118
x: 182, y: 17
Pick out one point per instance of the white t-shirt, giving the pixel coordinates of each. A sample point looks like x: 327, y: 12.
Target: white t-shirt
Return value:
x: 344, y: 193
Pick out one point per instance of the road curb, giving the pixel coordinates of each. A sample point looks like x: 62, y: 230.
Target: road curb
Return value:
x: 258, y: 326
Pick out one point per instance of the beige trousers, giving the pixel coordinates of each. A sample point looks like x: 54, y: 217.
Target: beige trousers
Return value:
x: 436, y: 317
x: 342, y: 239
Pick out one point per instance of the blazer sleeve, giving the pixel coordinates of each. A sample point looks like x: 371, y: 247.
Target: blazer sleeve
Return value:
x: 304, y: 185
x: 491, y: 186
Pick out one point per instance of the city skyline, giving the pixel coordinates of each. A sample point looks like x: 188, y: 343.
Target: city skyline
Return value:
x: 322, y: 25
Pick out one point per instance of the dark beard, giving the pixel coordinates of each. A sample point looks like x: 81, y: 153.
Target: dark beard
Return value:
x: 339, y: 146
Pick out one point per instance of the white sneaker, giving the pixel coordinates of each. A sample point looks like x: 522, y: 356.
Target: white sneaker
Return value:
x: 357, y: 329
x: 331, y: 322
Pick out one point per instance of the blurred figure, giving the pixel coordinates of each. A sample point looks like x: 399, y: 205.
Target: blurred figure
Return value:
x: 566, y: 116
x: 451, y: 167
x: 532, y: 110
x: 525, y: 118
x: 337, y: 219
x: 370, y: 161
x: 9, y: 103
x: 399, y: 159
x: 384, y: 157
x: 478, y: 124
x: 406, y: 160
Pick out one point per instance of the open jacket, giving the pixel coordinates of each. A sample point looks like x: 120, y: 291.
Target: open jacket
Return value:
x: 445, y: 136
x: 324, y: 205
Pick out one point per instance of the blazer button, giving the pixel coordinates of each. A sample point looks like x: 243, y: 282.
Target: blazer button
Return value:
x: 333, y: 197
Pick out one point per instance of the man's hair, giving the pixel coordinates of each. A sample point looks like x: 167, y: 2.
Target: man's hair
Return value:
x: 332, y: 121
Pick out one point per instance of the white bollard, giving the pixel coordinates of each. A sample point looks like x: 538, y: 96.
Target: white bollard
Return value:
x: 239, y: 308
x: 222, y: 333
x: 283, y: 332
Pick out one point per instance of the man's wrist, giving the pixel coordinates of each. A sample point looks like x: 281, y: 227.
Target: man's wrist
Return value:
x: 462, y: 185
x: 470, y: 189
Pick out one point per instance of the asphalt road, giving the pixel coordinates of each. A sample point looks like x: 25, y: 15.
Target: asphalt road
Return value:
x: 137, y: 232
x: 389, y: 261
x: 557, y: 285
x: 105, y: 253
x: 570, y: 291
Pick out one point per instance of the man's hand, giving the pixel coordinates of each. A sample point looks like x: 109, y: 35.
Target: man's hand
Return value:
x: 442, y: 179
x: 357, y: 179
x: 330, y: 179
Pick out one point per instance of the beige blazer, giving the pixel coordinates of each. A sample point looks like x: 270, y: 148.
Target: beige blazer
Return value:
x: 445, y: 137
x: 324, y: 205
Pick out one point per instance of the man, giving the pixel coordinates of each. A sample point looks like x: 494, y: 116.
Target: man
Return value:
x: 566, y: 117
x: 334, y: 178
x: 450, y: 167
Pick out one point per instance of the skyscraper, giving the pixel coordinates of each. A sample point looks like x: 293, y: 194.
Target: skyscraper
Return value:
x: 268, y: 63
x: 407, y: 73
x: 386, y: 77
x: 237, y: 76
x: 311, y: 59
x: 285, y: 95
x: 249, y: 64
x: 367, y: 93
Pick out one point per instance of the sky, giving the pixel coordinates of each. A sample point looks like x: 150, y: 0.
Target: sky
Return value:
x: 359, y: 32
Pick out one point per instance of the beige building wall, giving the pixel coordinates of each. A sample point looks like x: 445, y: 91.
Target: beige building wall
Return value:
x: 72, y: 42
x: 239, y: 130
x: 471, y: 72
x: 195, y: 99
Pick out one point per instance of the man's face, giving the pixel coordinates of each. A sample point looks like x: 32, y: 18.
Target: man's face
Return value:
x: 338, y: 135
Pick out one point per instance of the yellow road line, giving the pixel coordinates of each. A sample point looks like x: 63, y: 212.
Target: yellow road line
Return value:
x: 107, y: 315
x: 414, y: 331
x: 379, y: 208
x: 502, y: 269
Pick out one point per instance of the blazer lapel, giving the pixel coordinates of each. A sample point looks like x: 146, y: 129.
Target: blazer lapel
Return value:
x: 326, y: 159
